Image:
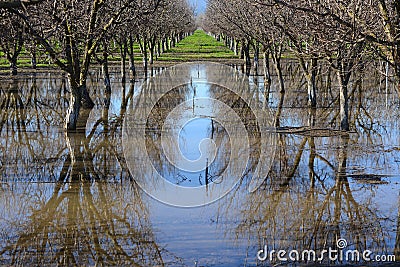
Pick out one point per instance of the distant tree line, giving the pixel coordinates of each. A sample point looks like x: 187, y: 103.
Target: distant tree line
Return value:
x: 78, y: 33
x: 345, y: 34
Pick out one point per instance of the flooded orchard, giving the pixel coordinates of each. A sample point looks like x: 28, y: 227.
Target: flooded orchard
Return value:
x: 78, y: 198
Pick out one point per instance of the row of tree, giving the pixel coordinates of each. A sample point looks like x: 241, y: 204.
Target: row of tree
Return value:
x: 77, y: 33
x: 346, y: 34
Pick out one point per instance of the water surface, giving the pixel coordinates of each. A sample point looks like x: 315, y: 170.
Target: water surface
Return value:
x: 69, y: 199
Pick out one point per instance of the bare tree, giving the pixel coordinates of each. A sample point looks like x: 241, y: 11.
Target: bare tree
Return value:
x: 12, y: 37
x: 70, y: 32
x: 232, y: 20
x: 377, y: 22
x: 171, y: 22
x: 312, y: 30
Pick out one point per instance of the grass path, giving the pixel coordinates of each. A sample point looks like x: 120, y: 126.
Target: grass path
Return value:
x: 198, y: 46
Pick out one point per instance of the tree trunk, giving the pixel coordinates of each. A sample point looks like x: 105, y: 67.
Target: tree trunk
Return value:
x: 33, y: 57
x: 236, y: 48
x: 172, y: 41
x: 151, y: 57
x: 145, y: 56
x: 152, y: 46
x: 276, y: 59
x: 247, y: 59
x: 106, y: 74
x: 344, y: 103
x: 267, y: 76
x: 310, y: 74
x: 13, y: 67
x: 165, y: 44
x: 19, y: 42
x: 162, y: 47
x: 278, y: 69
x: 267, y: 71
x: 74, y: 106
x: 276, y: 53
x: 132, y: 69
x: 312, y: 86
x: 241, y: 52
x: 256, y: 56
x: 123, y: 52
x: 246, y: 48
x: 87, y: 102
x: 79, y: 98
x: 232, y: 44
x: 158, y: 49
x: 346, y: 60
x: 143, y: 48
x: 73, y: 112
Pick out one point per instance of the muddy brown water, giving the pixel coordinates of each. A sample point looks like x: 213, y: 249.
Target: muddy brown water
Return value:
x: 70, y: 199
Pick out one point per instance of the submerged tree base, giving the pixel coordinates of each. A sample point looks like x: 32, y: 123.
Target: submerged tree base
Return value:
x: 80, y: 121
x: 79, y: 100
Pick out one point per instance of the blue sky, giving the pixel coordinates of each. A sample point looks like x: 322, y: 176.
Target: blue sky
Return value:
x: 199, y: 4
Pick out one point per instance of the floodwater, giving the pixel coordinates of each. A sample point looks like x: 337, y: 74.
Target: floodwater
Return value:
x: 78, y: 198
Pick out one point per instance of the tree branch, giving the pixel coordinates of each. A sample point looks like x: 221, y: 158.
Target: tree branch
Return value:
x: 18, y: 3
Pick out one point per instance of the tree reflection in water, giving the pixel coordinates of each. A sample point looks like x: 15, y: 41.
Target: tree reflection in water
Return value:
x: 84, y: 216
x: 68, y: 198
x: 291, y: 212
x: 296, y: 211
